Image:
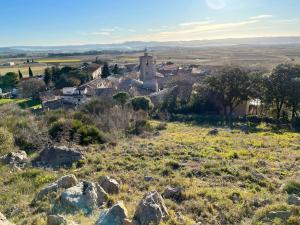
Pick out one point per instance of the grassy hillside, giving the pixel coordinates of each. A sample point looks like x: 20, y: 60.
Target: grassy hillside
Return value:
x: 231, y: 178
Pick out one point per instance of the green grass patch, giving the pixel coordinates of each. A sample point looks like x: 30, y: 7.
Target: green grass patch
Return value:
x: 23, y: 103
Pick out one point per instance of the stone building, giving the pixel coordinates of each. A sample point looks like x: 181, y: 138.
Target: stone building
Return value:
x: 148, y: 72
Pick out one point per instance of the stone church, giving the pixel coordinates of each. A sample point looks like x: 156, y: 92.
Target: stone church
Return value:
x: 148, y: 72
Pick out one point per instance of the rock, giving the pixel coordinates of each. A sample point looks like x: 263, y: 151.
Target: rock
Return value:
x: 111, y: 186
x: 151, y: 210
x: 148, y: 178
x: 294, y: 200
x: 85, y: 196
x: 58, y: 157
x: 213, y: 132
x: 59, y: 220
x: 4, y: 221
x: 114, y: 216
x: 173, y: 193
x: 67, y: 181
x: 283, y: 215
x: 62, y: 183
x: 18, y: 159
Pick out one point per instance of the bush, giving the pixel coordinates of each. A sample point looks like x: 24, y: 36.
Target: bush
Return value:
x: 121, y: 97
x: 293, y: 187
x: 139, y: 127
x: 141, y: 103
x: 6, y: 141
x: 74, y: 130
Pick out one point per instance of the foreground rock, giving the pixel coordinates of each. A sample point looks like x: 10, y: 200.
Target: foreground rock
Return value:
x: 294, y: 200
x: 283, y: 215
x: 213, y: 132
x: 111, y: 186
x: 58, y: 157
x: 59, y: 220
x: 62, y: 183
x: 85, y: 196
x: 4, y: 221
x: 175, y: 194
x: 116, y: 215
x: 151, y: 210
x: 18, y: 159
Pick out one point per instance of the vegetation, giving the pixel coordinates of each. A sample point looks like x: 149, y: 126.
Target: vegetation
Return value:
x: 141, y: 103
x: 105, y: 71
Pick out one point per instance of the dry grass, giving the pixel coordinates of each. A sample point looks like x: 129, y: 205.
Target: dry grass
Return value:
x: 210, y: 168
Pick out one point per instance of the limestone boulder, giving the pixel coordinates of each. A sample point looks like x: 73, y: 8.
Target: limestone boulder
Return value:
x: 175, y: 194
x: 58, y: 157
x: 4, y: 221
x: 59, y: 220
x: 18, y: 159
x: 62, y: 183
x: 85, y: 196
x: 116, y: 215
x: 111, y: 186
x: 151, y: 209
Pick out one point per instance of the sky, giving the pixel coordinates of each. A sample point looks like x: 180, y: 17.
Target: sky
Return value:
x: 72, y: 22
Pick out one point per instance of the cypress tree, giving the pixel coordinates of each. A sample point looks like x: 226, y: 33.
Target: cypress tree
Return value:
x: 20, y: 75
x: 105, y: 71
x: 30, y: 72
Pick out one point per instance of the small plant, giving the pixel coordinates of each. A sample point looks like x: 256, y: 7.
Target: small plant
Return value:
x: 293, y: 187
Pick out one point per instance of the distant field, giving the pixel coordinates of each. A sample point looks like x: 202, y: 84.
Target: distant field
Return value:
x: 58, y: 60
x: 37, y: 70
x: 23, y: 103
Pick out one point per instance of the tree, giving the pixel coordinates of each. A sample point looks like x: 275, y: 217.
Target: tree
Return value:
x: 31, y: 88
x: 47, y: 76
x: 293, y: 101
x: 105, y: 71
x: 20, y: 75
x: 30, y: 72
x: 278, y: 86
x: 141, y: 103
x: 116, y: 69
x: 230, y: 87
x: 121, y: 97
x: 9, y: 80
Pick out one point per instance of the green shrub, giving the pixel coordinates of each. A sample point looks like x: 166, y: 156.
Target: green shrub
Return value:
x: 6, y: 141
x: 293, y: 187
x: 121, y: 97
x: 74, y: 130
x: 140, y: 127
x: 141, y: 103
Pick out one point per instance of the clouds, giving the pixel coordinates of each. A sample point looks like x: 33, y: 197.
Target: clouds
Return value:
x: 261, y: 17
x: 254, y: 26
x: 216, y: 4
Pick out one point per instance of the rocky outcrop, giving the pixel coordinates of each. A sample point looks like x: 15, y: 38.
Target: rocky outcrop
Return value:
x: 4, y: 221
x: 58, y: 157
x: 85, y: 196
x: 283, y: 215
x: 62, y: 183
x: 111, y: 186
x: 18, y: 159
x: 116, y: 215
x: 151, y: 210
x: 175, y: 194
x: 294, y: 200
x: 59, y: 220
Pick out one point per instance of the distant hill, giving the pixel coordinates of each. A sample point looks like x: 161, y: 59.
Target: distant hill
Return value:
x: 128, y: 46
